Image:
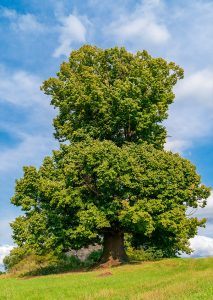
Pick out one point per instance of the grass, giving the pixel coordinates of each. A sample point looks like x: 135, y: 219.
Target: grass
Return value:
x: 165, y: 279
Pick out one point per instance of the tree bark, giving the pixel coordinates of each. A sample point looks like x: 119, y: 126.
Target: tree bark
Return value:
x: 113, y: 249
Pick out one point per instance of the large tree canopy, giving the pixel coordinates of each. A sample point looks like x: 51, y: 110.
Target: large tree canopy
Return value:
x: 92, y: 190
x: 112, y: 94
x: 112, y: 177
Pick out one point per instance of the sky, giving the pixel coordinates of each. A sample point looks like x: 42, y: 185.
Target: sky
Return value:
x: 36, y: 36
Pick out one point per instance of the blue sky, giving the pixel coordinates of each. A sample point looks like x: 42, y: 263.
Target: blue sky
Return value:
x: 36, y: 36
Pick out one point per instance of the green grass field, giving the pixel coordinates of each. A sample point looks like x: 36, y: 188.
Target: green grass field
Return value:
x: 166, y: 279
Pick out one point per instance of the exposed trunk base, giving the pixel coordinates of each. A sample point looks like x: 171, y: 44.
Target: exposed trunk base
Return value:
x: 113, y: 250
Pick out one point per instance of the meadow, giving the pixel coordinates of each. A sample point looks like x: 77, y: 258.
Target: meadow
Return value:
x: 180, y: 278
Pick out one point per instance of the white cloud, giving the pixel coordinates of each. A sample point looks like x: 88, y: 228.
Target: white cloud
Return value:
x: 5, y: 230
x: 22, y: 22
x: 192, y: 27
x: 144, y: 29
x: 191, y: 115
x: 34, y: 132
x: 207, y: 211
x: 20, y: 88
x: 30, y: 151
x: 4, y: 251
x: 72, y: 30
x: 197, y: 87
x: 141, y: 27
x: 202, y: 246
x: 207, y: 231
x: 177, y: 145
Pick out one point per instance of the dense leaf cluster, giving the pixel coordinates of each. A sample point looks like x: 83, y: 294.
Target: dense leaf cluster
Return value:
x: 112, y: 94
x: 92, y: 187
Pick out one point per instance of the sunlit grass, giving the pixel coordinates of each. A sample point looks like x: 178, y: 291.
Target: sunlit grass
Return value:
x: 166, y: 279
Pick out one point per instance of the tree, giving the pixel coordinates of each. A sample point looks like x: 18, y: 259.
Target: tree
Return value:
x: 95, y: 191
x: 113, y: 95
x: 112, y: 176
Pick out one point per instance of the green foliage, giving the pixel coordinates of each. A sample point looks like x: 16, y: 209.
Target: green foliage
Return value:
x: 22, y: 262
x: 62, y: 265
x: 93, y: 258
x: 112, y: 94
x: 89, y: 187
x: 144, y: 254
x: 15, y: 256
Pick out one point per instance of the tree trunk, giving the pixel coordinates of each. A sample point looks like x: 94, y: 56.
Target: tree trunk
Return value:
x: 113, y: 249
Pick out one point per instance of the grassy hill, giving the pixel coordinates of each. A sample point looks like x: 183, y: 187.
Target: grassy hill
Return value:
x: 166, y: 279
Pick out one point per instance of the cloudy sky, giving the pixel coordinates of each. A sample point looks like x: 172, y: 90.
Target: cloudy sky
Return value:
x: 36, y: 36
